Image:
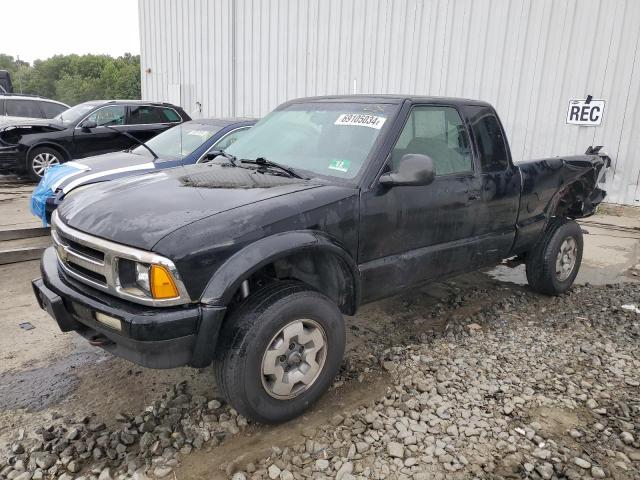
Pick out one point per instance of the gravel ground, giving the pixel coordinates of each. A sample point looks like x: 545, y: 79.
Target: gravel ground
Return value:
x: 509, y: 385
x: 528, y: 388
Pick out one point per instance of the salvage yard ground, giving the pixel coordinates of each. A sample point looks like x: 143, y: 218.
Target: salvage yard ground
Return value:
x: 475, y: 377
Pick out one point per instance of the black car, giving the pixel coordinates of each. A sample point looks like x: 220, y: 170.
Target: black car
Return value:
x: 90, y: 128
x: 250, y: 260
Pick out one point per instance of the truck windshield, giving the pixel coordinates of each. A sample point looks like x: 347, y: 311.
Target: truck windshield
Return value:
x: 178, y: 141
x: 332, y: 139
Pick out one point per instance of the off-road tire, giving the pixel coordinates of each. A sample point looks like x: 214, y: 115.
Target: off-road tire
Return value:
x: 247, y: 334
x: 541, y: 261
x: 42, y: 153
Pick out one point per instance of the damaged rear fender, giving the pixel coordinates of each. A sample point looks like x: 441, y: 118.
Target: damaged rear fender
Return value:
x: 581, y: 195
x: 557, y: 187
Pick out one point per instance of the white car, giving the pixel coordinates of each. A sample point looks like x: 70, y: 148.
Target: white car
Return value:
x: 20, y: 106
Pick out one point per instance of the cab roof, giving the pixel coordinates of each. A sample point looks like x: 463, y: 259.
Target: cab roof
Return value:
x: 391, y: 99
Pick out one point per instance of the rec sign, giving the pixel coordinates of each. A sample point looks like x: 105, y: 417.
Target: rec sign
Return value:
x: 585, y: 112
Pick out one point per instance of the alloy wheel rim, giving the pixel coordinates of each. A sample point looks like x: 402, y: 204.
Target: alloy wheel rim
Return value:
x: 294, y: 358
x: 566, y: 259
x: 43, y: 162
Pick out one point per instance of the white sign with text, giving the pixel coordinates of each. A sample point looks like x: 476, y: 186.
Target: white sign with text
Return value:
x: 585, y: 112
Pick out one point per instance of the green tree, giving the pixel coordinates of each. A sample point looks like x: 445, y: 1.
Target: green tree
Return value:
x: 77, y: 78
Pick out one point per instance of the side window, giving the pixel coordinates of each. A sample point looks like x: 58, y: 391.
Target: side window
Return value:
x: 229, y: 138
x: 112, y: 115
x: 23, y: 108
x: 169, y: 115
x: 144, y: 115
x: 51, y: 109
x: 490, y: 139
x: 436, y: 131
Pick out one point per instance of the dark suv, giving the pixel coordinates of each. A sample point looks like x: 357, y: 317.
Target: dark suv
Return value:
x: 91, y: 128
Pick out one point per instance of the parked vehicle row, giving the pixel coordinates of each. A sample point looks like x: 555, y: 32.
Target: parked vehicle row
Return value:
x: 250, y: 261
x: 87, y: 129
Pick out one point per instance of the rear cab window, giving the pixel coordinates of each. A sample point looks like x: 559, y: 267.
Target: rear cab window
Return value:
x: 489, y: 138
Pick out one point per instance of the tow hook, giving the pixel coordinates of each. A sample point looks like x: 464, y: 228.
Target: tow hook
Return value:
x: 99, y: 341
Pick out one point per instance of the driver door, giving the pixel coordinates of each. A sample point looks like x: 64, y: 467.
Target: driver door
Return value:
x: 411, y: 234
x: 101, y: 139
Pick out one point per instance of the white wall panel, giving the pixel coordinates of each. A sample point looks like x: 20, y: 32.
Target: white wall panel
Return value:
x: 526, y: 57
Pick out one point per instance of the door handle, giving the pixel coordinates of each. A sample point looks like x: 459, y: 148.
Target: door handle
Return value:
x: 474, y: 196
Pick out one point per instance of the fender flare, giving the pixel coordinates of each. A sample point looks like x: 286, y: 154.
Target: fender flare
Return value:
x: 227, y: 279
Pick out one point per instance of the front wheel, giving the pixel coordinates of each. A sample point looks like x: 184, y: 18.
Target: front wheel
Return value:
x: 553, y: 264
x: 40, y: 160
x: 279, y: 351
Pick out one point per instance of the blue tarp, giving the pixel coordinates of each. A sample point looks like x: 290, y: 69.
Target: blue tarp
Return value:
x: 44, y: 189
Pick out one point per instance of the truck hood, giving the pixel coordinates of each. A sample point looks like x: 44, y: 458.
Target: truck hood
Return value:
x: 139, y: 211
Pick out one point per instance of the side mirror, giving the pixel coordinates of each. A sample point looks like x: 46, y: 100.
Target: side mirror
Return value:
x: 414, y: 169
x: 87, y: 125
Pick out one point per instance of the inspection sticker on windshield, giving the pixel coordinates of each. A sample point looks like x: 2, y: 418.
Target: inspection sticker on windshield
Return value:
x: 361, y: 120
x: 340, y: 165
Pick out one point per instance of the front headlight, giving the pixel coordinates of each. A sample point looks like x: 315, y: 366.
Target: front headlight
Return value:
x: 153, y: 281
x: 142, y: 277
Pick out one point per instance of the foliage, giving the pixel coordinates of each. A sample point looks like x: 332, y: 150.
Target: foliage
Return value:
x: 74, y: 79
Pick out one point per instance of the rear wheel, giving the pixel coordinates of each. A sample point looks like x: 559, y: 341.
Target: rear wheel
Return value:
x: 553, y: 264
x: 279, y: 351
x: 40, y: 160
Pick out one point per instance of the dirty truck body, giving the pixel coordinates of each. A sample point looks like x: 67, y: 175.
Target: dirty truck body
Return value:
x: 260, y: 265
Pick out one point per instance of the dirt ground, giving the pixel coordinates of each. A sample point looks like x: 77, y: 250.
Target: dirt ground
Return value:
x: 45, y: 374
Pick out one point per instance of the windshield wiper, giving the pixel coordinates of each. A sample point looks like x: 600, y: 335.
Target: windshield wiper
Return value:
x: 263, y: 162
x: 127, y: 134
x: 221, y: 153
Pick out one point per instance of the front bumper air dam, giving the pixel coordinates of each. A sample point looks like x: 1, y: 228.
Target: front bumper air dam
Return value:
x: 11, y: 158
x: 151, y: 337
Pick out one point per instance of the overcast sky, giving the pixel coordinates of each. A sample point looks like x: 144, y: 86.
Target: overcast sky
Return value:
x: 39, y: 29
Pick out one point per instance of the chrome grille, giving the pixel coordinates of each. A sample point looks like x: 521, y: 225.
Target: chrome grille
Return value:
x: 82, y: 261
x: 94, y: 262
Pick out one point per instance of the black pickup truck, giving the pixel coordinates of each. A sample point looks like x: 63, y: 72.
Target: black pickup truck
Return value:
x: 251, y: 260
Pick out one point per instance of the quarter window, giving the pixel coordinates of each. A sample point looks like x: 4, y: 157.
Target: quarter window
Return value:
x: 438, y: 132
x: 112, y: 115
x: 170, y: 115
x: 489, y: 138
